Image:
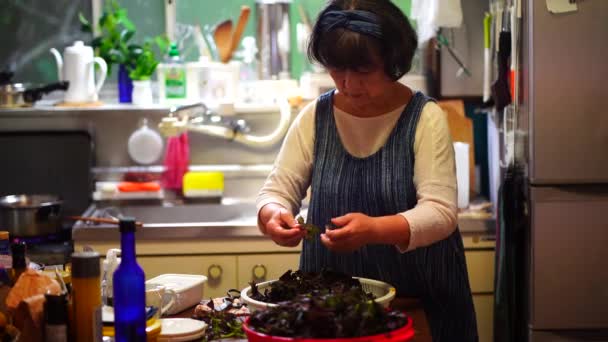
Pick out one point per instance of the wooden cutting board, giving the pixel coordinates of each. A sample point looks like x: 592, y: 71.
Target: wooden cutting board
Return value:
x: 461, y: 129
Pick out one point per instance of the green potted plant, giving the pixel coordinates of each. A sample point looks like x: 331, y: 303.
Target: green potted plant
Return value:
x: 135, y: 61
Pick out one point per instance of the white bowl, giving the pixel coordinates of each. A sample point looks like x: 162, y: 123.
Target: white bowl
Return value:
x: 383, y: 292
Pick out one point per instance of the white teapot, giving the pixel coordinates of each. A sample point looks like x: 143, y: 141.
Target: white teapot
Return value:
x: 76, y: 67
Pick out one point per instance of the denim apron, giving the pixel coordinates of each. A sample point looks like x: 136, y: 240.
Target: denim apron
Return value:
x: 378, y: 185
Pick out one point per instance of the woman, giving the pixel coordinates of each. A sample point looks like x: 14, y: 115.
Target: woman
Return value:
x: 380, y: 163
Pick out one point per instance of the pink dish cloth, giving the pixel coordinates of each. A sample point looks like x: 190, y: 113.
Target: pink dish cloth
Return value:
x: 177, y: 159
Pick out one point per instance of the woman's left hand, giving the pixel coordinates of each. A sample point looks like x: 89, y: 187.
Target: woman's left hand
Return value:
x: 354, y: 230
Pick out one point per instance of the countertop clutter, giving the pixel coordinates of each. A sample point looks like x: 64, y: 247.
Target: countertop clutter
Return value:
x: 40, y: 303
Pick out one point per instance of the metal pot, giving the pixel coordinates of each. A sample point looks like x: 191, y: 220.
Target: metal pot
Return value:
x: 14, y: 95
x: 30, y: 215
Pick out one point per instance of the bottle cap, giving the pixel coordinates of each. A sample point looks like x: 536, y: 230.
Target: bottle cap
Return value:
x: 55, y: 309
x: 173, y: 51
x: 85, y: 265
x: 127, y: 224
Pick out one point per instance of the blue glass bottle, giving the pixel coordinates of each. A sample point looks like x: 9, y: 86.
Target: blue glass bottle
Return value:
x: 129, y: 290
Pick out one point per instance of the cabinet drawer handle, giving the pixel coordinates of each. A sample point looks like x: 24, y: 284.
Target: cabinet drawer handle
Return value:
x: 259, y: 272
x: 214, y: 272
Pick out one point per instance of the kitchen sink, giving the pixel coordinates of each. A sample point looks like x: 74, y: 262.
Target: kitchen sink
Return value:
x: 191, y: 215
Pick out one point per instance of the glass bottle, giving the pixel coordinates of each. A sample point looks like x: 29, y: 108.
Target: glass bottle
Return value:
x: 129, y: 289
x: 18, y: 250
x: 86, y: 296
x: 55, y: 318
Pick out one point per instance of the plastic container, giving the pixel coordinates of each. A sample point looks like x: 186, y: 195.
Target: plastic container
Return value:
x: 203, y: 184
x: 404, y: 333
x: 461, y: 154
x: 383, y: 292
x: 212, y: 82
x: 188, y: 289
x: 110, y: 264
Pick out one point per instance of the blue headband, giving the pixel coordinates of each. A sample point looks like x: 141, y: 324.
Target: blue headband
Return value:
x: 363, y: 22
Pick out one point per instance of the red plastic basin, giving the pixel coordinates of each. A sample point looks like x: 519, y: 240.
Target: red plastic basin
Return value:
x: 404, y: 333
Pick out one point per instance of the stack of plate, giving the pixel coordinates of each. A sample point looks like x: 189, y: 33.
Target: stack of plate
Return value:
x: 181, y: 329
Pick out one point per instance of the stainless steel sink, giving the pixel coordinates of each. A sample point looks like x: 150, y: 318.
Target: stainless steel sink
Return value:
x: 191, y: 215
x: 166, y: 222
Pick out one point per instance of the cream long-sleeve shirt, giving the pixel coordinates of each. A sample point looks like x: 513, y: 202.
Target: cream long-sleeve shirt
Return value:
x: 435, y: 215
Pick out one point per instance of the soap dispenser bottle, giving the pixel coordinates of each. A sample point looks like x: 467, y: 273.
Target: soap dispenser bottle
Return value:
x: 129, y: 289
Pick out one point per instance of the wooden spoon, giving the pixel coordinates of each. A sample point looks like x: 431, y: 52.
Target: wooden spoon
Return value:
x: 223, y: 39
x: 240, y: 28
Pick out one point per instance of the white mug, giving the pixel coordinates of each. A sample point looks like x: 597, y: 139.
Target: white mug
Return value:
x: 160, y: 297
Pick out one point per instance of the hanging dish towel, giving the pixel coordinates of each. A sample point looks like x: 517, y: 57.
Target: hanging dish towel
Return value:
x: 177, y: 159
x: 430, y: 15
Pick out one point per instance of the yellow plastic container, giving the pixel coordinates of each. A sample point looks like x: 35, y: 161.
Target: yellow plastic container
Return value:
x: 203, y: 184
x: 153, y: 329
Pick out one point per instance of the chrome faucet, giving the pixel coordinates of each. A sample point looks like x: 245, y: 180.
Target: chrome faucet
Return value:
x: 198, y: 117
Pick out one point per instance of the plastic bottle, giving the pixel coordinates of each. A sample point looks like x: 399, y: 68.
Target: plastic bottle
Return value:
x: 55, y: 318
x: 175, y: 75
x: 86, y: 296
x: 249, y: 70
x: 109, y: 266
x: 129, y: 289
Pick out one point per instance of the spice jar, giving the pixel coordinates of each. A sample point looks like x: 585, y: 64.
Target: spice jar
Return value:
x: 86, y: 296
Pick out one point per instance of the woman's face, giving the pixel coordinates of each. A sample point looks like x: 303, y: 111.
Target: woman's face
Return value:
x: 361, y: 87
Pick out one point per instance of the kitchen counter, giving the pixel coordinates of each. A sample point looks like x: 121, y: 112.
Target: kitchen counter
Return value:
x: 220, y: 230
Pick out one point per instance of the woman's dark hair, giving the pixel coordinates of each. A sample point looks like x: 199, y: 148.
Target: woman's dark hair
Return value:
x: 342, y: 48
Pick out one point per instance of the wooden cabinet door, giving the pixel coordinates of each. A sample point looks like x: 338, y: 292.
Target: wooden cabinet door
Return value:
x: 484, y: 311
x: 220, y: 270
x: 480, y: 265
x: 263, y: 267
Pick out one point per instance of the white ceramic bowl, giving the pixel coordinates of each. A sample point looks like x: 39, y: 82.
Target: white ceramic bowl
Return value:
x: 383, y: 292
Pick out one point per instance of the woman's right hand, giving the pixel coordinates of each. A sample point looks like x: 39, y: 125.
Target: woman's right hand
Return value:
x: 278, y: 223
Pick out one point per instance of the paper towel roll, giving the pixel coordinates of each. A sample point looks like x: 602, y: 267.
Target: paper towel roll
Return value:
x: 461, y: 152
